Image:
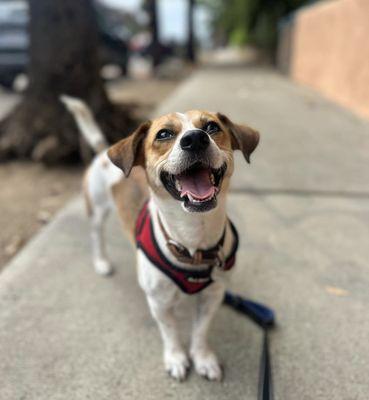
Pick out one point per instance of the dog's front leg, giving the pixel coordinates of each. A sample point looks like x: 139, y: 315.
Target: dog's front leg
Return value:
x: 205, y: 361
x: 175, y: 359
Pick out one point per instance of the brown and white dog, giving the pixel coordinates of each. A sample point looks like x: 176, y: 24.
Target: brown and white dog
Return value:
x: 181, y: 164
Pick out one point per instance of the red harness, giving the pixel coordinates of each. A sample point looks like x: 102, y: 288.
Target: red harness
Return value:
x: 189, y: 281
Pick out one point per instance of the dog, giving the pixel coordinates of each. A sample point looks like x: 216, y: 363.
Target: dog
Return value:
x: 169, y: 181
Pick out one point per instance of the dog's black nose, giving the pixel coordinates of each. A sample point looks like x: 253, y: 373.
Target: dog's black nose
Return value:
x: 195, y: 140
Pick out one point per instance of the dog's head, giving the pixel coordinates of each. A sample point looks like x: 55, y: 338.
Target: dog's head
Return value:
x: 188, y: 157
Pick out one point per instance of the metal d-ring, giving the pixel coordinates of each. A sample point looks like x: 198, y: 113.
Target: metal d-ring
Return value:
x: 177, y: 245
x: 220, y: 260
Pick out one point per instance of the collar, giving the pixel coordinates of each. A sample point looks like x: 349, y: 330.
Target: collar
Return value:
x: 188, y: 280
x: 213, y: 256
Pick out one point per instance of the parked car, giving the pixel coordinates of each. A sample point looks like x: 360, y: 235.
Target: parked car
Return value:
x: 14, y: 42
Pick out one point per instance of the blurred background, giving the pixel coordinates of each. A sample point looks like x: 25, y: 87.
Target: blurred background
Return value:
x: 125, y: 56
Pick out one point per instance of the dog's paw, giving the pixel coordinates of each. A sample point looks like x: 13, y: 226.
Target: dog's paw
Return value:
x: 177, y: 364
x: 207, y: 365
x: 103, y: 267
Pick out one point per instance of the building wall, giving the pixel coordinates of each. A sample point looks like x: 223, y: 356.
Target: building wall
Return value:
x: 330, y: 51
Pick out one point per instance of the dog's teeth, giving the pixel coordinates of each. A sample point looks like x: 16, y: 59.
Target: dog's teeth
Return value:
x: 212, y: 179
x: 178, y: 186
x: 190, y: 197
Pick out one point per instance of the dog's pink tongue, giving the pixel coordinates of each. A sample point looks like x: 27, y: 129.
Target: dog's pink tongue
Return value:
x: 197, y: 184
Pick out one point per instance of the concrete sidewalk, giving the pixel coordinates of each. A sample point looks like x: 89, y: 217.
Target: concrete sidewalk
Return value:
x: 303, y: 210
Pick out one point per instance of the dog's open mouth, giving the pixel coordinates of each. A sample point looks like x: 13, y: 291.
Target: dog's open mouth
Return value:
x: 197, y: 186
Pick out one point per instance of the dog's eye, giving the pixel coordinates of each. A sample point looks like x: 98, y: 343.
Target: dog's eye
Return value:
x: 164, y: 134
x: 211, y: 127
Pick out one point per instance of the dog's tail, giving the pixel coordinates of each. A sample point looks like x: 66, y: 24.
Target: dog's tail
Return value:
x: 86, y: 122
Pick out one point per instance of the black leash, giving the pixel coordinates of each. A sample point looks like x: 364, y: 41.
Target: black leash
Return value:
x: 264, y: 317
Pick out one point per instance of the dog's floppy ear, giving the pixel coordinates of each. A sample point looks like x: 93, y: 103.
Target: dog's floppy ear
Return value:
x: 128, y: 152
x: 244, y: 138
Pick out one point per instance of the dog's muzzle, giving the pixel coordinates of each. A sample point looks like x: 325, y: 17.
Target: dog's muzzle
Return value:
x: 198, y: 175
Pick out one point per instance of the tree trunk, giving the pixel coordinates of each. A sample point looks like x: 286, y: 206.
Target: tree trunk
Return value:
x: 190, y: 53
x: 63, y: 59
x: 152, y: 8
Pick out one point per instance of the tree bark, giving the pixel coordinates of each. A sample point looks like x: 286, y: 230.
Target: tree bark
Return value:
x: 63, y: 59
x: 190, y: 53
x: 152, y: 8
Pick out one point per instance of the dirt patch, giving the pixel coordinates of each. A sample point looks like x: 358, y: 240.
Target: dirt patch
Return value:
x: 31, y: 194
x: 29, y: 197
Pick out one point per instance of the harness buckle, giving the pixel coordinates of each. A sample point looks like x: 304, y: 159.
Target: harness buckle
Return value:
x: 192, y: 279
